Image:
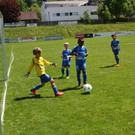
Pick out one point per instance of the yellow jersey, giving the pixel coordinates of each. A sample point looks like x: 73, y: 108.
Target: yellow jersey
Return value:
x: 39, y: 65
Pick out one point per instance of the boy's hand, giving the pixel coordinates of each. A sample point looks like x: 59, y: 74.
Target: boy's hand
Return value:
x: 27, y: 74
x: 54, y: 64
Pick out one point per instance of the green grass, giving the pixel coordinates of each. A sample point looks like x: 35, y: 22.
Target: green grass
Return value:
x: 66, y: 31
x: 108, y: 110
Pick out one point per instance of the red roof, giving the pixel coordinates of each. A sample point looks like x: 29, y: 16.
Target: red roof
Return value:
x: 32, y: 15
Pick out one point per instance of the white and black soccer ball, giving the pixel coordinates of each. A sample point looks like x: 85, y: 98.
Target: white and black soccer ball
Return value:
x: 87, y: 88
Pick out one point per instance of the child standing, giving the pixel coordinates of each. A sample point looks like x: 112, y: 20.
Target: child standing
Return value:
x: 39, y: 63
x: 81, y: 53
x: 115, y: 48
x: 66, y: 60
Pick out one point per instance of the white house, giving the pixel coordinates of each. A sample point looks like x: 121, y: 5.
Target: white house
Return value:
x: 66, y: 10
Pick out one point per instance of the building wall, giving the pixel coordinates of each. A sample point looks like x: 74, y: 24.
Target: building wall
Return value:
x: 66, y: 13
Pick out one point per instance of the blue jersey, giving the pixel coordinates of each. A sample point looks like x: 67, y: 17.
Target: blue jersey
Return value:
x: 80, y: 58
x: 66, y: 53
x: 115, y: 44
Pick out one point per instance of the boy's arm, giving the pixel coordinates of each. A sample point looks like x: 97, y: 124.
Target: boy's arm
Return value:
x: 86, y: 54
x: 30, y: 68
x: 49, y: 63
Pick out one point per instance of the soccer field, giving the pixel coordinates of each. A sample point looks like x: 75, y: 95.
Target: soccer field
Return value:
x: 108, y: 110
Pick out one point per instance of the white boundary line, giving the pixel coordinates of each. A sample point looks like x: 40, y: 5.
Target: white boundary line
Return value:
x: 5, y: 90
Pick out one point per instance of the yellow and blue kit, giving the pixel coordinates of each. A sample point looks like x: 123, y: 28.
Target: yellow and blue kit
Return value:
x: 39, y: 65
x: 40, y: 69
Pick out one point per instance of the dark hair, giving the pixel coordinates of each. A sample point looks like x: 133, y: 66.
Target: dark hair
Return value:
x: 81, y: 39
x: 37, y: 50
x: 113, y: 35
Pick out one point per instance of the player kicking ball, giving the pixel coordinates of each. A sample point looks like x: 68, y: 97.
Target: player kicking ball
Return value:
x: 66, y: 60
x: 39, y: 63
x: 81, y: 53
x: 115, y: 48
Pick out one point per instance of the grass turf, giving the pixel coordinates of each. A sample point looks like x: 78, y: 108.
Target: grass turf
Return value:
x: 108, y: 110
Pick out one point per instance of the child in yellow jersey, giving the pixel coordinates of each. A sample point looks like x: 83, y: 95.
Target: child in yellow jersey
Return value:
x: 39, y: 63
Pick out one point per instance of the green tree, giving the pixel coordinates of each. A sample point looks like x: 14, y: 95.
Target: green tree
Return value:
x: 103, y: 13
x: 117, y: 8
x: 86, y: 18
x: 23, y: 5
x: 35, y: 7
x: 29, y: 2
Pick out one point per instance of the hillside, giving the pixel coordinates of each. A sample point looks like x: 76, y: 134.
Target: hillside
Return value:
x: 66, y: 31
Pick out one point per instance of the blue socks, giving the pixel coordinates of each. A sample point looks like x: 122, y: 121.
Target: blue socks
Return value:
x: 117, y: 60
x: 84, y: 77
x: 37, y: 87
x: 62, y: 71
x: 79, y: 78
x: 55, y: 89
x: 67, y: 72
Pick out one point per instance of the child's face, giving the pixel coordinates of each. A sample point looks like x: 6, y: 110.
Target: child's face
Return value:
x: 114, y: 37
x: 38, y: 55
x: 66, y: 46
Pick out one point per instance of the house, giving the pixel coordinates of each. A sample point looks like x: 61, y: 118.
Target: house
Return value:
x: 28, y: 17
x: 66, y: 10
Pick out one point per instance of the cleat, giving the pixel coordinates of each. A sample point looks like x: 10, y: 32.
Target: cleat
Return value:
x: 67, y: 77
x: 59, y: 94
x: 85, y: 83
x: 34, y: 92
x: 62, y: 76
x: 79, y: 85
x: 118, y: 65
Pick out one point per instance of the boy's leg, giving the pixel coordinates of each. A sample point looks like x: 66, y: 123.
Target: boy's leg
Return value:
x: 78, y: 75
x: 67, y: 72
x: 116, y: 53
x: 36, y: 88
x: 84, y: 73
x: 56, y: 92
x: 62, y: 70
x: 84, y: 76
x: 79, y: 78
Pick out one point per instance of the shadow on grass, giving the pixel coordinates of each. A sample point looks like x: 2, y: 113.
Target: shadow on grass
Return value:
x: 70, y: 88
x: 109, y: 66
x: 59, y: 78
x: 32, y: 97
x: 86, y: 93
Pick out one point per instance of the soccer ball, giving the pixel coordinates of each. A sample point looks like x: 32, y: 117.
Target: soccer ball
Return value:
x: 87, y: 88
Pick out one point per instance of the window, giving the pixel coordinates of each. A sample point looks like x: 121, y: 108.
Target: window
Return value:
x: 57, y: 14
x: 66, y: 14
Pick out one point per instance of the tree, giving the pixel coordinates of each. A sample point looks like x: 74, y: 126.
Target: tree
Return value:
x: 37, y: 9
x: 10, y: 10
x: 117, y: 8
x: 23, y: 5
x: 29, y: 2
x: 86, y: 18
x: 103, y: 13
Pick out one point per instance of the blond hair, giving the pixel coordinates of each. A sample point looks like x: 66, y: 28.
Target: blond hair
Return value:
x: 66, y: 43
x: 37, y: 50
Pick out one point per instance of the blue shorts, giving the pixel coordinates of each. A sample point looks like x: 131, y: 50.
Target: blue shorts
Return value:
x: 116, y: 51
x: 45, y: 78
x: 65, y: 63
x: 80, y: 67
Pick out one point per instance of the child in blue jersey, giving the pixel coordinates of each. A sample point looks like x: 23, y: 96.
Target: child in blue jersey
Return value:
x: 66, y: 60
x: 81, y: 53
x: 115, y: 48
x: 38, y: 62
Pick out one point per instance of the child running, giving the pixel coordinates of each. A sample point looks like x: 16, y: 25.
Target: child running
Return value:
x: 66, y: 60
x: 81, y: 53
x: 39, y: 63
x: 115, y: 48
